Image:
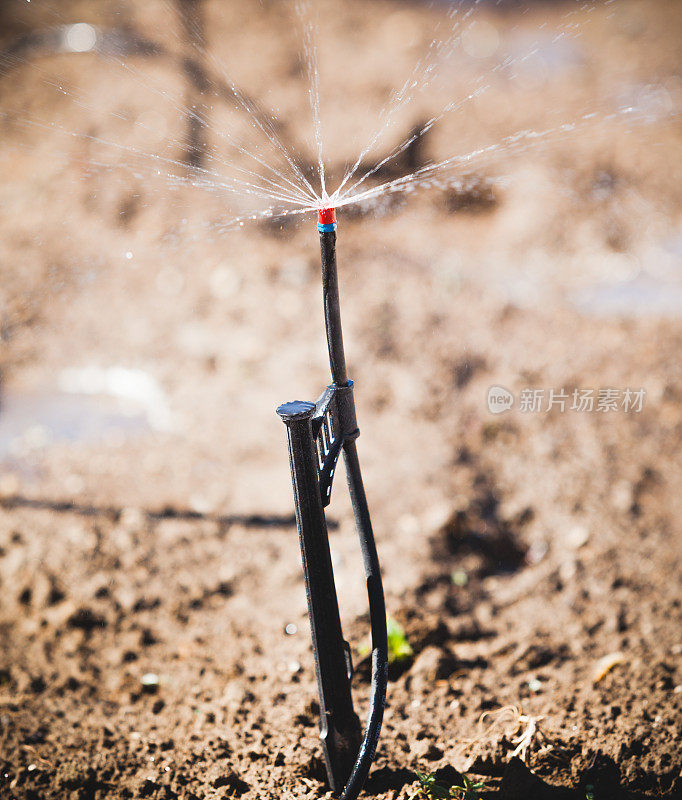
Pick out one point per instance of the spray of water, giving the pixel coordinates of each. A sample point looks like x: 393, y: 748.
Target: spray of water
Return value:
x: 251, y: 159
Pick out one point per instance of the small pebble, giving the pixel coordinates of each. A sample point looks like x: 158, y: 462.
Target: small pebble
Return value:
x: 158, y: 706
x: 150, y: 681
x: 606, y: 664
x: 577, y: 537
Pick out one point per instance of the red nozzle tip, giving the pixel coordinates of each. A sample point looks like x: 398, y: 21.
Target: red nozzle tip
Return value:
x: 326, y: 216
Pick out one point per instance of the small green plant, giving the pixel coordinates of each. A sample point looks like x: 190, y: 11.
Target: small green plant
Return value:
x: 469, y: 788
x: 431, y: 789
x: 589, y: 792
x: 399, y: 649
x: 458, y: 577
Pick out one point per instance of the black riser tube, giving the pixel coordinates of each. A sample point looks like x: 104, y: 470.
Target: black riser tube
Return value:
x: 375, y: 592
x: 332, y: 310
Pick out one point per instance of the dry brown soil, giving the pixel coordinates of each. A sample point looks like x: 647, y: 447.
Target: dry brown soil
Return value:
x: 127, y: 551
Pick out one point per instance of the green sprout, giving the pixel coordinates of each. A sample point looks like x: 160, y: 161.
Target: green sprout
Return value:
x: 458, y: 577
x: 430, y: 789
x: 399, y: 649
x: 469, y: 789
x: 589, y: 792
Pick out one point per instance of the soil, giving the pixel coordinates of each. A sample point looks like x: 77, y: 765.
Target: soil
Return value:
x: 149, y: 574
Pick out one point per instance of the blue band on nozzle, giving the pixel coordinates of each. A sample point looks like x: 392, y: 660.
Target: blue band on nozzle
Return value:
x: 326, y: 228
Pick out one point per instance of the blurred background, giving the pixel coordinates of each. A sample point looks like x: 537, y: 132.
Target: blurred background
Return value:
x: 157, y: 302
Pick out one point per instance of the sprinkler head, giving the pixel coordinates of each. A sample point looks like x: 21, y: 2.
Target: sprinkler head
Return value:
x: 326, y: 220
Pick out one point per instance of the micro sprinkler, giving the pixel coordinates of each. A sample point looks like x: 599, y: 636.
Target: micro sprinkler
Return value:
x: 317, y: 434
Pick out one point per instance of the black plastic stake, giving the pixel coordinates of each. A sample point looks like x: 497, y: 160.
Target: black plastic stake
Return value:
x: 339, y: 725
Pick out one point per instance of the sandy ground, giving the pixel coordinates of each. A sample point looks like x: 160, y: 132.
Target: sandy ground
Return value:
x: 532, y: 557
